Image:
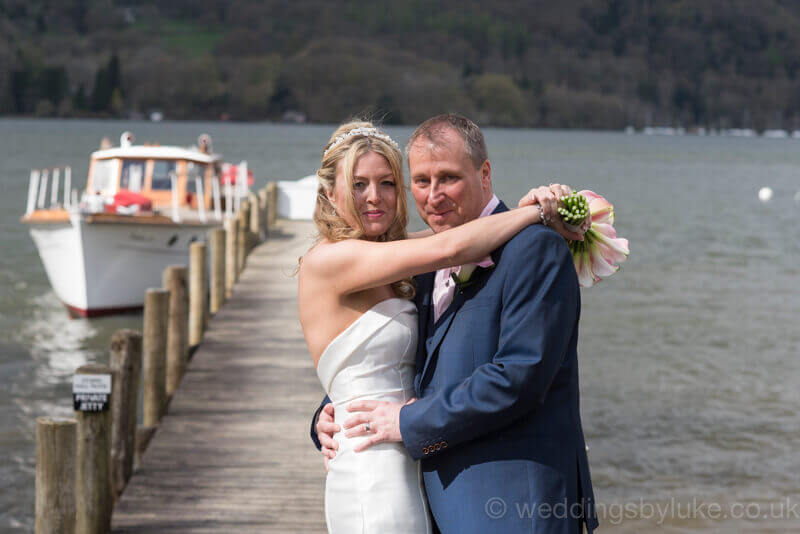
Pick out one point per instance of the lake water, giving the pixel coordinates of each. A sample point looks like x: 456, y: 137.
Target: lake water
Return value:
x: 690, y: 356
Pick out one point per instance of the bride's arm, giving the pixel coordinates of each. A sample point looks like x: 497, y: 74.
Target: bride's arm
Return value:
x: 547, y: 196
x: 354, y: 265
x: 422, y: 233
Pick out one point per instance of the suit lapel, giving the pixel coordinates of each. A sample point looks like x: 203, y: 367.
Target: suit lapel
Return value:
x: 439, y: 330
x: 425, y: 308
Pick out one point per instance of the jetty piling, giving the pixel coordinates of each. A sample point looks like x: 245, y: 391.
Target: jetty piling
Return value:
x: 197, y: 292
x: 93, y: 493
x: 154, y: 348
x: 263, y: 213
x: 177, y: 338
x: 272, y: 203
x: 255, y: 220
x: 242, y: 240
x: 231, y: 255
x: 216, y: 239
x: 55, y: 475
x: 126, y: 363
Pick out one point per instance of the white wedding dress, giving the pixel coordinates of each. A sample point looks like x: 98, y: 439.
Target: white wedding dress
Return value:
x: 379, y: 490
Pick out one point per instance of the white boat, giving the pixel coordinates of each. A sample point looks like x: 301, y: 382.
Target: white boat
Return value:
x: 142, y: 208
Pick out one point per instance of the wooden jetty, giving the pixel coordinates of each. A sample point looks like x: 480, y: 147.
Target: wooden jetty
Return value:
x: 224, y: 443
x: 232, y: 453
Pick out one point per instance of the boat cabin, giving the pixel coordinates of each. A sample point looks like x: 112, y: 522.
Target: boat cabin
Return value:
x: 155, y: 172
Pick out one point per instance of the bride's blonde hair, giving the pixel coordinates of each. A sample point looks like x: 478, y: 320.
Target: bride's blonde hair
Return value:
x: 348, y: 149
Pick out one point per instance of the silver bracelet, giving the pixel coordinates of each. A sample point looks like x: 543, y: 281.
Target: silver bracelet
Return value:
x: 541, y: 214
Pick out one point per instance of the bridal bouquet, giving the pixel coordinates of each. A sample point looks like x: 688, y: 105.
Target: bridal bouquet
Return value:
x: 600, y: 252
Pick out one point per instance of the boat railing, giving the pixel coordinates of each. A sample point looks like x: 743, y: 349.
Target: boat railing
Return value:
x: 176, y: 216
x: 201, y: 201
x: 37, y: 189
x: 216, y: 197
x: 241, y: 184
x: 228, y: 200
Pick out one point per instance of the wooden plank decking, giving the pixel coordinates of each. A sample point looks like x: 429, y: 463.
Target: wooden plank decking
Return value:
x: 232, y: 454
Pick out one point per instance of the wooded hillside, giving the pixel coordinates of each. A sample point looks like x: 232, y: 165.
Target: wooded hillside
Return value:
x: 570, y: 63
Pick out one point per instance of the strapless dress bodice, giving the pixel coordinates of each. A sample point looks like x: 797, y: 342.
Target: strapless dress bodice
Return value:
x: 374, y: 356
x: 379, y: 490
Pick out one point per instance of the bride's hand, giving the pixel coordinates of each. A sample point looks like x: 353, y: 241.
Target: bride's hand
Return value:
x: 547, y: 198
x: 326, y: 428
x: 538, y: 194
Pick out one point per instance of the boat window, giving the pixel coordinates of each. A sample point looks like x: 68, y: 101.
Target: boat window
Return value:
x: 193, y: 171
x: 161, y: 172
x: 132, y: 175
x: 103, y: 175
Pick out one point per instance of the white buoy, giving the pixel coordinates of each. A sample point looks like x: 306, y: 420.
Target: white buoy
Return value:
x: 765, y: 194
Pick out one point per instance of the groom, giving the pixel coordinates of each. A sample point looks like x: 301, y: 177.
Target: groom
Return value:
x: 497, y: 421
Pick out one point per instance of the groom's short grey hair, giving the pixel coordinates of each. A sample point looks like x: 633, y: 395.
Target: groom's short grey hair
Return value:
x: 434, y: 128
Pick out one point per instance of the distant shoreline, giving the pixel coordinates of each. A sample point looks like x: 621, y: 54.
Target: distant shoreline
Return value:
x: 649, y: 131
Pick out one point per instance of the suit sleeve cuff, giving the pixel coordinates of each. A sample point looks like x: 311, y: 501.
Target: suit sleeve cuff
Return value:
x: 419, y: 443
x: 313, y: 433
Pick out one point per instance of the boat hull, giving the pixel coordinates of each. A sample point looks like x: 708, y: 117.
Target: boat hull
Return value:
x: 100, y: 268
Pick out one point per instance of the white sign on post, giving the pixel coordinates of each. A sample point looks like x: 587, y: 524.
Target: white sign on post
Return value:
x: 90, y: 392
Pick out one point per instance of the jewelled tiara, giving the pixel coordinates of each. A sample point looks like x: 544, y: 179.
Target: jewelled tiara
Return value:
x: 363, y: 132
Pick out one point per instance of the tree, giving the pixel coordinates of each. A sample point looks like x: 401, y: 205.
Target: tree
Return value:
x: 500, y: 100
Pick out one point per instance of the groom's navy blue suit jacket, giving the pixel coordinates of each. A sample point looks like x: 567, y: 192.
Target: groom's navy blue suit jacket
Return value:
x: 497, y: 425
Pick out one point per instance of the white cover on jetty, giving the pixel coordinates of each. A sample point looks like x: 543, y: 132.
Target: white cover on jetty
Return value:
x: 297, y: 198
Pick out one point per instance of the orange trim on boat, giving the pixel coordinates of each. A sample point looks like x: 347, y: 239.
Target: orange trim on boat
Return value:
x: 47, y: 216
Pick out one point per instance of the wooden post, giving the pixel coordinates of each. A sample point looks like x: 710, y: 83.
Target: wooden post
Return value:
x: 93, y: 497
x: 262, y: 206
x: 126, y: 362
x: 55, y: 475
x: 154, y: 345
x: 177, y: 339
x: 197, y: 292
x: 241, y: 239
x: 272, y: 205
x: 255, y: 221
x: 231, y: 255
x: 216, y: 238
x: 143, y: 436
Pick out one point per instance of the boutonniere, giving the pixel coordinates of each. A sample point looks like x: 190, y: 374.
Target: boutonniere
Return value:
x: 464, y: 278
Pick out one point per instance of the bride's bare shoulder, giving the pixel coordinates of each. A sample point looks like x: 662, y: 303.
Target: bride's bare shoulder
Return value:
x: 326, y: 254
x: 316, y: 254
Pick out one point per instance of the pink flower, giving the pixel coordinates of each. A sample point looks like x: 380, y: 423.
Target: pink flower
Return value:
x: 598, y: 256
x: 600, y: 209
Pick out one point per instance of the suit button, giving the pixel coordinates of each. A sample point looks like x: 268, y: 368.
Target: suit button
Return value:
x: 437, y: 447
x: 444, y: 444
x: 425, y: 450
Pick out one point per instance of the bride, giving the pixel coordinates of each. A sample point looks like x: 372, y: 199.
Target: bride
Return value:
x: 360, y: 324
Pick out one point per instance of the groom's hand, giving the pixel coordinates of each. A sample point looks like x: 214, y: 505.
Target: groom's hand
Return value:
x: 378, y: 421
x: 326, y: 428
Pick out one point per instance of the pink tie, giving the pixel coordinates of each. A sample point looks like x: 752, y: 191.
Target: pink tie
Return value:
x: 443, y: 290
x: 443, y: 285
